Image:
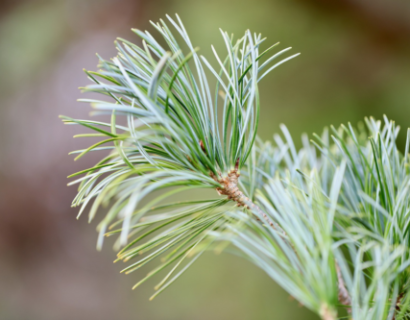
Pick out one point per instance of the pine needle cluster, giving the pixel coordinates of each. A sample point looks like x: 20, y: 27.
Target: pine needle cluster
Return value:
x: 329, y: 222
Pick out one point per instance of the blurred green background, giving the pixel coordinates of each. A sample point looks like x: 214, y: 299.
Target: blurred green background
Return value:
x: 354, y: 63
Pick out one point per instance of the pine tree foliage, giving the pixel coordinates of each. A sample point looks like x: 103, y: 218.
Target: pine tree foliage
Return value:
x: 329, y: 222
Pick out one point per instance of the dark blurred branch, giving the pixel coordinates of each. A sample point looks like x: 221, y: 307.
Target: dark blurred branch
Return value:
x: 388, y: 21
x: 7, y: 5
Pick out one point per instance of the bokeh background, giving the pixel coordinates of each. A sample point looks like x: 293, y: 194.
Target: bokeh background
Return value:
x: 355, y: 62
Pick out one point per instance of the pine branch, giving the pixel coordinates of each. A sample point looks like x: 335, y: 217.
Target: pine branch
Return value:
x: 343, y: 197
x: 172, y: 142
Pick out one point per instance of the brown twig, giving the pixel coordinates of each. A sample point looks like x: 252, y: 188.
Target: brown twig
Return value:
x: 397, y: 307
x: 343, y: 296
x: 229, y: 187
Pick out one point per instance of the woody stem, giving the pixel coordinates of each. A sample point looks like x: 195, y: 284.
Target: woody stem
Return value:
x: 230, y: 189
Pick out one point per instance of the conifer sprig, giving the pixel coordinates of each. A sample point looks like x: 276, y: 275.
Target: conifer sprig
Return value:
x: 329, y: 222
x: 173, y: 141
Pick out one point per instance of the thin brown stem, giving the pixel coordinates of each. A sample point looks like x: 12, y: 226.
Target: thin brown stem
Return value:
x: 344, y: 296
x: 229, y: 188
x: 399, y: 298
